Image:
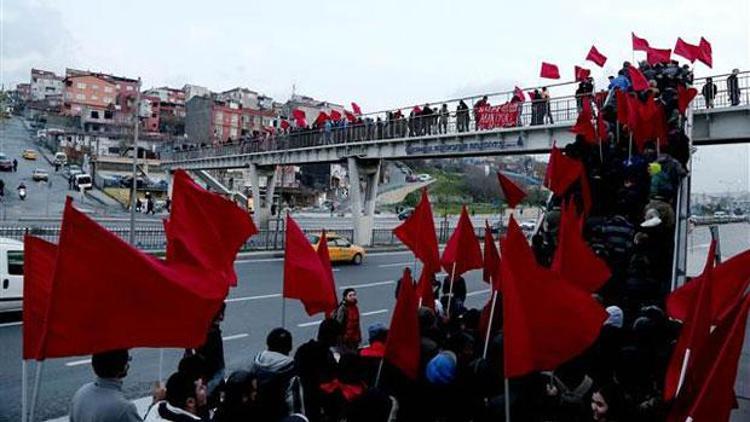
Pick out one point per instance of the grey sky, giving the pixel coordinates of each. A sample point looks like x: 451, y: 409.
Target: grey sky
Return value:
x: 380, y: 54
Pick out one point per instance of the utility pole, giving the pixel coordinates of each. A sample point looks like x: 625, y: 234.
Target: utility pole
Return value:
x: 133, y: 189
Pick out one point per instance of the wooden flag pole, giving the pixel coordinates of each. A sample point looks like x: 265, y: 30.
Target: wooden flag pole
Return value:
x: 35, y: 391
x: 683, y: 371
x: 380, y: 370
x: 24, y: 392
x: 489, y: 325
x: 630, y: 148
x: 450, y: 291
x: 161, y: 367
x: 507, y: 400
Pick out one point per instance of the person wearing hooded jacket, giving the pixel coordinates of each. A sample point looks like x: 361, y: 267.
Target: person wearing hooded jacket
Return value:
x: 279, y: 387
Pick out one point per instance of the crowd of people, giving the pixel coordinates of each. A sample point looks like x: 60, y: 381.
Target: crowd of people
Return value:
x: 339, y: 377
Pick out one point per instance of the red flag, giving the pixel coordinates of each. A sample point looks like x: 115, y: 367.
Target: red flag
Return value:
x: 695, y: 330
x: 349, y: 116
x: 284, y: 124
x: 622, y: 106
x: 547, y: 321
x: 518, y: 93
x: 688, y: 51
x: 574, y: 260
x: 684, y: 97
x: 651, y: 122
x: 638, y: 80
x: 513, y: 194
x: 122, y: 298
x: 418, y: 234
x: 205, y: 229
x: 562, y: 172
x: 583, y: 125
x: 305, y: 275
x: 425, y: 290
x: 730, y: 279
x: 356, y: 109
x: 658, y: 55
x: 335, y: 115
x: 298, y: 114
x: 39, y: 268
x: 300, y: 122
x: 491, y: 268
x: 322, y: 118
x: 705, y: 54
x: 325, y: 260
x: 639, y: 44
x: 601, y: 126
x: 403, y: 344
x: 549, y: 71
x: 596, y: 57
x: 581, y: 73
x: 462, y: 248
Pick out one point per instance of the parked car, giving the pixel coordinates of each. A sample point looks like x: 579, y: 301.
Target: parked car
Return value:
x: 60, y: 158
x: 6, y: 164
x: 11, y: 275
x: 29, y: 154
x: 340, y: 249
x: 403, y: 215
x: 83, y: 181
x: 40, y: 174
x: 72, y: 170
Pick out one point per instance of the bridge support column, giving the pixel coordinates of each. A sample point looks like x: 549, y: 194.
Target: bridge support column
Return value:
x: 363, y: 179
x: 262, y: 206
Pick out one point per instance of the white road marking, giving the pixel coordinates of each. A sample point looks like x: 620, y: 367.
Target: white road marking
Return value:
x: 246, y: 298
x: 363, y: 285
x: 10, y: 324
x: 78, y: 362
x: 701, y: 245
x: 397, y: 264
x: 235, y: 337
x: 310, y: 324
x: 317, y: 322
x: 478, y: 292
x: 379, y: 311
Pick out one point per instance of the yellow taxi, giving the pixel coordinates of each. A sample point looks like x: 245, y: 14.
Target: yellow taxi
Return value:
x: 29, y: 154
x: 339, y: 248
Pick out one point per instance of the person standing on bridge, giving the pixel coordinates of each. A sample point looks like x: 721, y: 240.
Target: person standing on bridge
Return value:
x: 443, y: 123
x: 462, y: 116
x: 347, y: 315
x: 733, y: 88
x: 546, y: 106
x: 709, y: 92
x: 478, y: 106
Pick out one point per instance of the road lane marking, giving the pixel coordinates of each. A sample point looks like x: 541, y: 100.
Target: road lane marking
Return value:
x: 78, y: 362
x: 478, y: 292
x: 10, y: 324
x: 317, y: 322
x: 379, y: 311
x: 397, y: 264
x: 363, y: 285
x: 246, y: 298
x: 235, y: 337
x: 310, y: 324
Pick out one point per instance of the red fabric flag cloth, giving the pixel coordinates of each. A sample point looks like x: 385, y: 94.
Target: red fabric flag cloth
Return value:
x: 688, y: 51
x: 601, y: 127
x: 300, y: 122
x: 637, y: 79
x: 684, y: 97
x: 562, y: 172
x: 622, y: 106
x: 596, y: 57
x: 658, y: 55
x: 574, y: 260
x: 335, y: 115
x: 349, y: 116
x: 39, y: 268
x: 730, y: 279
x: 325, y: 260
x: 518, y: 93
x: 512, y: 193
x: 581, y: 73
x: 705, y: 54
x: 651, y: 122
x: 205, y: 229
x: 305, y: 276
x: 549, y: 71
x: 122, y: 298
x: 547, y: 320
x: 491, y: 267
x: 322, y: 118
x: 425, y: 290
x: 418, y: 234
x: 462, y: 248
x: 356, y: 109
x: 403, y: 344
x: 584, y: 126
x: 639, y: 44
x: 695, y: 331
x: 298, y: 114
x: 284, y: 124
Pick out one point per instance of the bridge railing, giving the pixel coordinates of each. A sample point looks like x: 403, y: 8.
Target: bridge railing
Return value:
x: 560, y: 110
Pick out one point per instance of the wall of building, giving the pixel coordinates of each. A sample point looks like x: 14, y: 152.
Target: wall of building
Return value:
x: 198, y: 120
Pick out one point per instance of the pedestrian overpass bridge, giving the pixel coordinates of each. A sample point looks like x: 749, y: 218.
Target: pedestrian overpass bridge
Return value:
x: 363, y: 147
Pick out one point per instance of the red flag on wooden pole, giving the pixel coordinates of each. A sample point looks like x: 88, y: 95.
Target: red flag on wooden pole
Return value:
x: 639, y: 44
x: 356, y: 109
x: 688, y: 51
x: 512, y: 193
x: 39, y: 270
x: 596, y: 57
x: 705, y: 54
x: 549, y: 71
x: 418, y: 234
x: 462, y: 249
x: 640, y: 83
x: 581, y: 73
x: 325, y: 260
x: 403, y: 344
x: 658, y: 55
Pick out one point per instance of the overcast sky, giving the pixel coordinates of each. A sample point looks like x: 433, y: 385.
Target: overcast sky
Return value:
x: 380, y: 54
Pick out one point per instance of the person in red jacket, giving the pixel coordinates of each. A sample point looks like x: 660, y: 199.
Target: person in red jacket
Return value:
x: 347, y: 315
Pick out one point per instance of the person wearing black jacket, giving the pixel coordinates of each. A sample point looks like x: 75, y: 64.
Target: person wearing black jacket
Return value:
x: 709, y: 92
x: 733, y: 87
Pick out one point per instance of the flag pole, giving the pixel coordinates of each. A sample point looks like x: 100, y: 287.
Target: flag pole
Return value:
x: 377, y: 376
x: 161, y: 366
x: 24, y: 392
x: 683, y: 371
x: 35, y: 391
x: 630, y: 148
x: 489, y: 325
x: 283, y: 312
x: 450, y: 291
x: 507, y: 400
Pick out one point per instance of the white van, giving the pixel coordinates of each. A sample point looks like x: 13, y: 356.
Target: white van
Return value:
x: 11, y: 275
x: 83, y: 181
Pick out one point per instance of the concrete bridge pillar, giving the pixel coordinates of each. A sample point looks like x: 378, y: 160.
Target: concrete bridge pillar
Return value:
x: 262, y: 206
x: 363, y: 178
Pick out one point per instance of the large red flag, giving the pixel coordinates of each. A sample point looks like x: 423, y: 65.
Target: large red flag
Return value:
x: 651, y: 122
x: 518, y: 93
x: 122, y: 298
x: 284, y: 124
x: 39, y: 268
x: 322, y: 118
x: 705, y: 54
x: 462, y: 249
x: 622, y: 106
x: 305, y: 276
x: 658, y: 55
x: 684, y: 97
x: 549, y: 71
x: 596, y: 57
x: 547, y: 320
x: 584, y: 126
x: 356, y: 109
x: 639, y: 44
x: 513, y: 194
x: 730, y: 279
x: 298, y: 114
x: 335, y: 115
x: 491, y: 268
x: 403, y: 344
x: 695, y: 331
x: 581, y: 73
x: 205, y: 229
x: 325, y: 260
x: 562, y: 172
x: 349, y: 116
x: 574, y: 260
x: 418, y: 234
x: 636, y: 77
x: 425, y: 290
x: 601, y: 126
x: 688, y: 51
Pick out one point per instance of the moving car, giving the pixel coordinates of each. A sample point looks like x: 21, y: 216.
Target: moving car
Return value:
x: 82, y: 181
x: 340, y: 249
x: 40, y: 174
x: 72, y: 170
x: 403, y: 215
x: 29, y: 154
x: 11, y: 275
x: 6, y: 164
x: 60, y: 158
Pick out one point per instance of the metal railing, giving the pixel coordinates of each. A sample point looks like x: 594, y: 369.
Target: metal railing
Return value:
x: 377, y: 126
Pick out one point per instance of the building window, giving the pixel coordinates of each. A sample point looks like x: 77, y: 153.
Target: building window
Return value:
x: 107, y: 114
x: 80, y: 97
x: 117, y: 86
x: 94, y: 97
x: 107, y: 89
x: 81, y: 85
x: 129, y: 88
x: 77, y: 109
x: 95, y: 87
x: 95, y: 115
x: 107, y: 100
